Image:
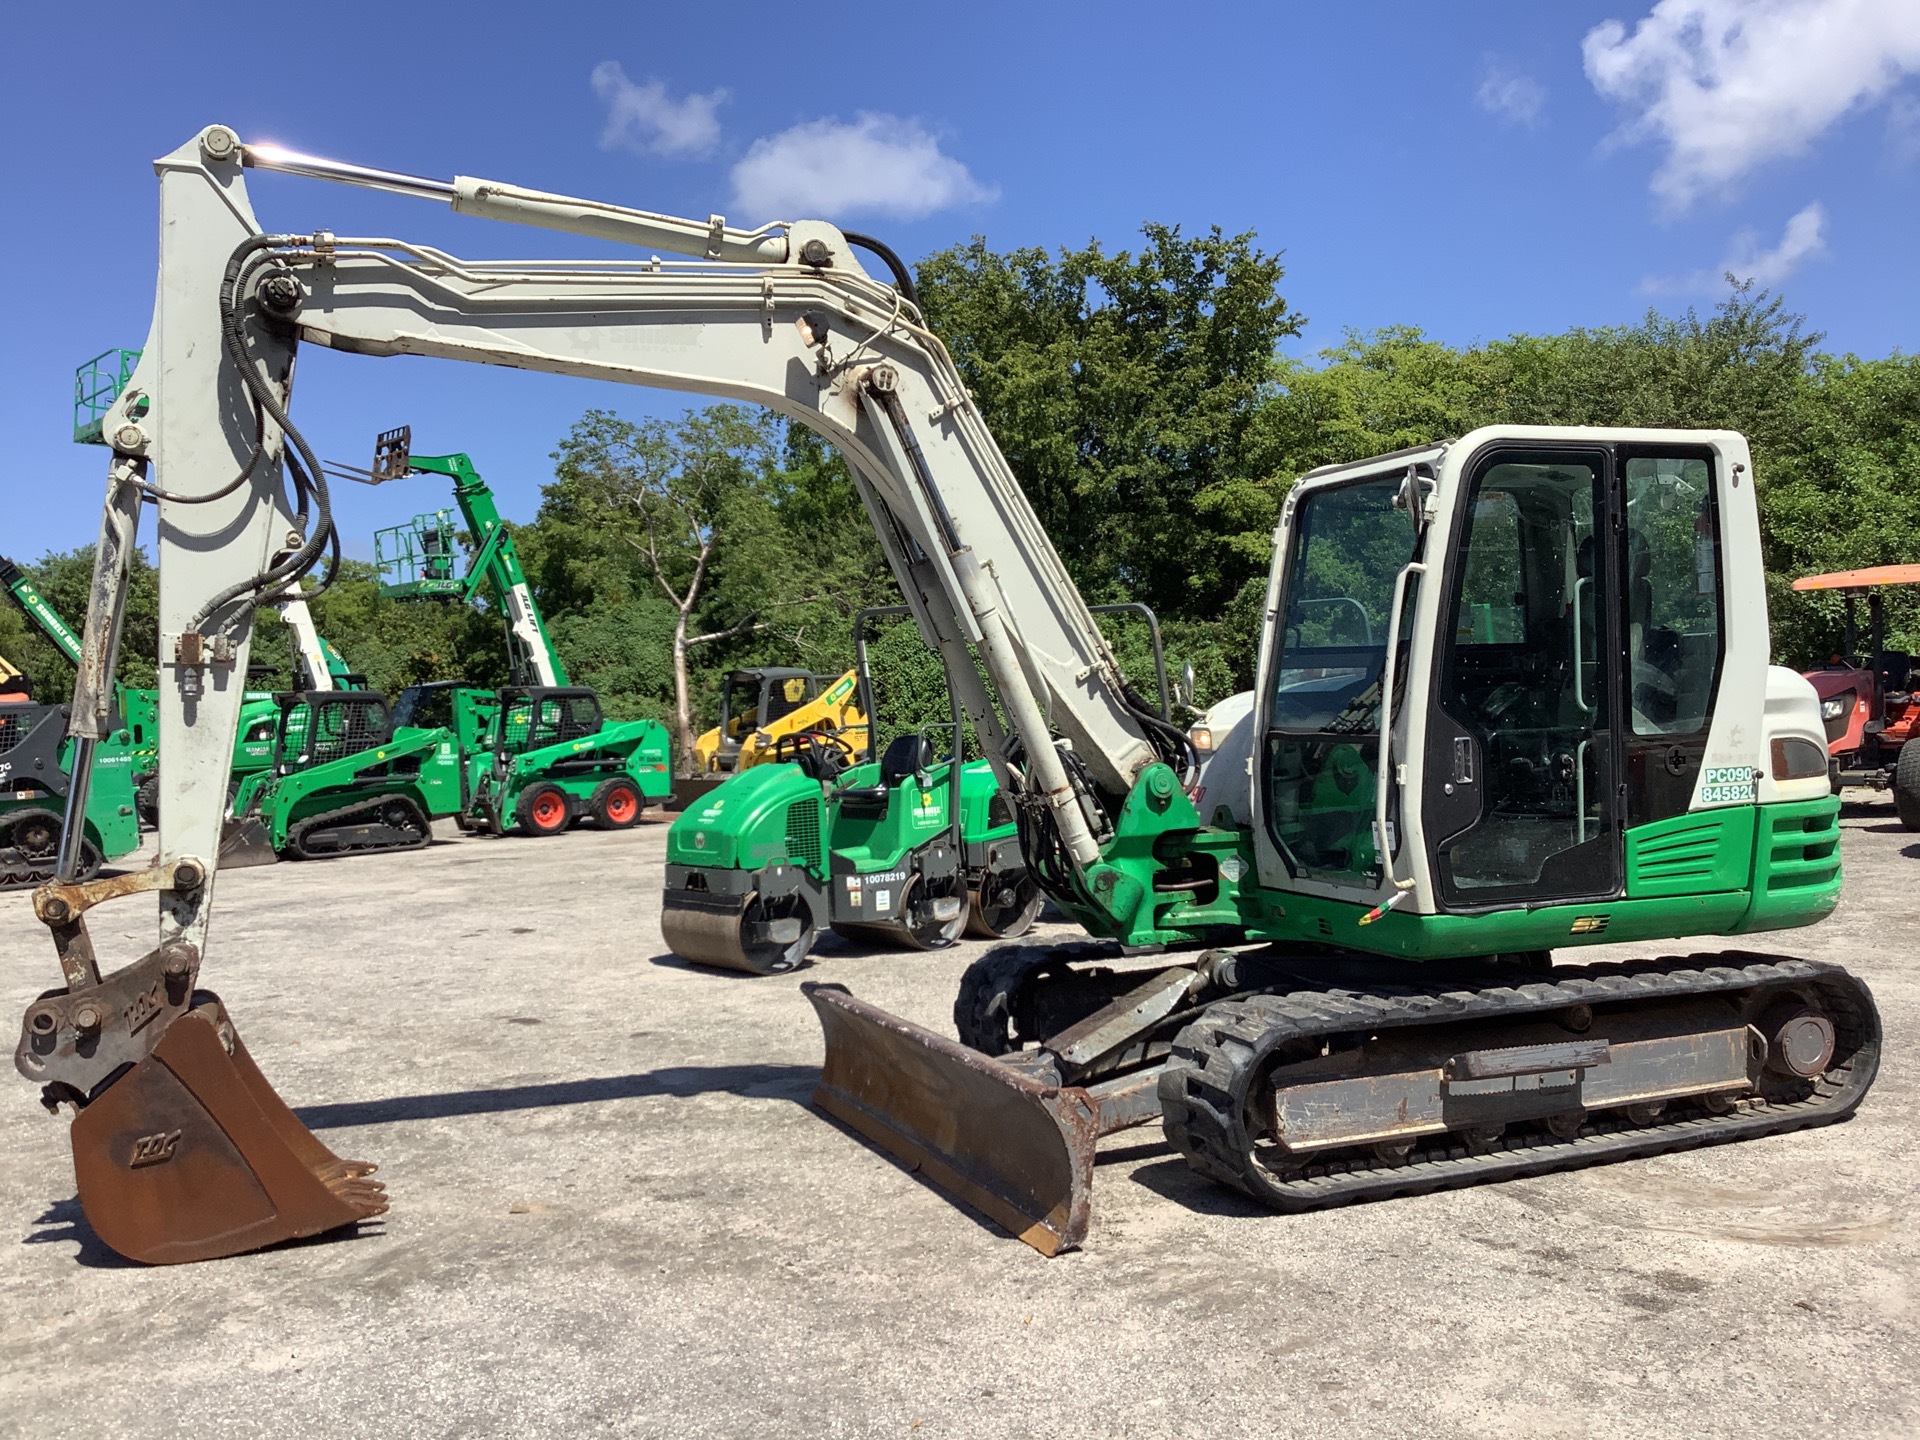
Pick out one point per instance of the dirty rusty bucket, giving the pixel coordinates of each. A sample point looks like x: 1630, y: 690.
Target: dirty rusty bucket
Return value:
x: 1017, y: 1150
x: 191, y: 1155
x: 245, y: 843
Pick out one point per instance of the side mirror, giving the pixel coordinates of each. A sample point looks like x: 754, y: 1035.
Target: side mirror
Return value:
x: 1184, y: 694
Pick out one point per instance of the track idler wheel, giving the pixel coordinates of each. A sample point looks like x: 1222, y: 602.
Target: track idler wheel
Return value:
x: 191, y: 1155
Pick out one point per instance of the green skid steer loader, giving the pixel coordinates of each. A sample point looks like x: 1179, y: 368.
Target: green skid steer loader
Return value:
x: 908, y: 850
x: 346, y: 779
x: 536, y: 758
x: 537, y: 755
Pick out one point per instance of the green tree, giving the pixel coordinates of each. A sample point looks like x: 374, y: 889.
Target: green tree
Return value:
x: 1123, y: 389
x: 678, y: 493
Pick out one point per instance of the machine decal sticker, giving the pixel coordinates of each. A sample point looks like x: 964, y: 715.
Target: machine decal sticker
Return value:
x: 1728, y: 785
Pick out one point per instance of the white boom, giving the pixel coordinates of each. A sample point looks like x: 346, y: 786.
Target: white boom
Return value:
x: 306, y: 638
x: 783, y: 317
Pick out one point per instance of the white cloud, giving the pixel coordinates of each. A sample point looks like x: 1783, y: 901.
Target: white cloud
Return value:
x: 1804, y: 238
x: 1519, y: 98
x: 646, y: 118
x: 878, y: 164
x: 1727, y: 85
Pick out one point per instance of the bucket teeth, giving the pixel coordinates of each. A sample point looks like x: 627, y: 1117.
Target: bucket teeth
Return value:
x: 191, y: 1155
x: 1015, y: 1149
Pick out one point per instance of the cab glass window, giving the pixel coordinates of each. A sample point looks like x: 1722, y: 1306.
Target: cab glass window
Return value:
x: 1672, y: 594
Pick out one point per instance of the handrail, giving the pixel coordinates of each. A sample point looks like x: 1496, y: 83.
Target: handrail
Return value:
x: 1384, y: 764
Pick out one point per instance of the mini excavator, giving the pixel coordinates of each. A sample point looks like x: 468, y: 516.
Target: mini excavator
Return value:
x: 1513, y: 696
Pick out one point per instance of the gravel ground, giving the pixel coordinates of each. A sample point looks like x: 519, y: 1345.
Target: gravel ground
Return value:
x: 613, y: 1213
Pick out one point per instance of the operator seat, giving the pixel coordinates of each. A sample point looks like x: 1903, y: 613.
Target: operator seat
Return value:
x: 906, y: 755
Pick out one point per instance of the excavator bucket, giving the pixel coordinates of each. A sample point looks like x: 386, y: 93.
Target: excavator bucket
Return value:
x: 1017, y: 1150
x: 245, y: 843
x: 192, y: 1156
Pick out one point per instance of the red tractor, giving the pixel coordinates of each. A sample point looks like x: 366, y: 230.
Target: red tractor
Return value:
x: 1869, y: 705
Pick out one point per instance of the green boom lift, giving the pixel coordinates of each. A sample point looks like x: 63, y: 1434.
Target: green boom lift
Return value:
x: 538, y: 754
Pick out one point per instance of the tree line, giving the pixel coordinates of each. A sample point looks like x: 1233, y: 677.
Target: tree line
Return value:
x: 1143, y: 401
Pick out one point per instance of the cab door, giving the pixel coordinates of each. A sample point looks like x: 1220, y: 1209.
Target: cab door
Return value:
x: 1522, y: 759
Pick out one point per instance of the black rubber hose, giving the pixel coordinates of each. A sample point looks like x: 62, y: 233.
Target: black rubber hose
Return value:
x: 902, y: 276
x: 309, y: 477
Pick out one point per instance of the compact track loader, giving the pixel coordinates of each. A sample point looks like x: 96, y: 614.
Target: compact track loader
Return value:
x: 1513, y: 698
x: 907, y: 851
x: 36, y: 785
x: 345, y: 780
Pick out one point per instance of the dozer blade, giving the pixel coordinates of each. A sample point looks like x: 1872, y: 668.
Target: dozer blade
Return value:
x: 1017, y: 1150
x: 191, y: 1155
x: 245, y: 843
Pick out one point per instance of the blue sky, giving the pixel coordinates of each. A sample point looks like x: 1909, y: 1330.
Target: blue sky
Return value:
x: 1474, y: 170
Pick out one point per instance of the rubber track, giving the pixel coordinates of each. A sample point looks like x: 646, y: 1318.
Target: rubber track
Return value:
x: 983, y: 1010
x: 23, y: 872
x: 1219, y: 1057
x: 315, y: 822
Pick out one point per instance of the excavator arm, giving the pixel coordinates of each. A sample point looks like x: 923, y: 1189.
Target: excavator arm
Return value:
x: 784, y: 316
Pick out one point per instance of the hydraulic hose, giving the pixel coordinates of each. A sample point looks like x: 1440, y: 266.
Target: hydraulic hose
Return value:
x: 902, y: 276
x: 303, y: 466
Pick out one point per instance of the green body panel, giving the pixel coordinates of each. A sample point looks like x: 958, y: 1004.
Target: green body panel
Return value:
x: 423, y: 765
x: 1698, y: 853
x: 765, y: 815
x: 1796, y: 865
x: 776, y: 814
x: 914, y: 814
x: 1725, y: 871
x: 978, y: 793
x: 111, y: 823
